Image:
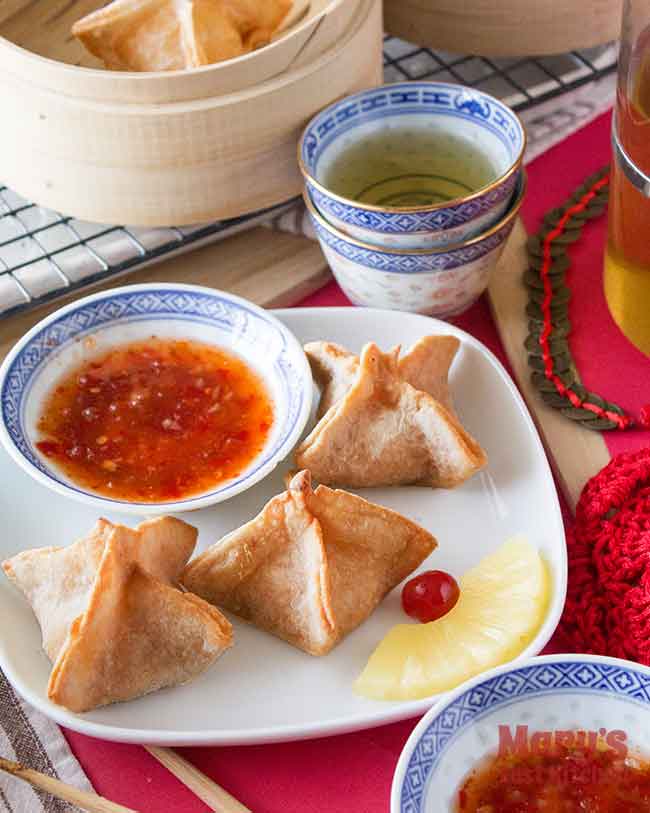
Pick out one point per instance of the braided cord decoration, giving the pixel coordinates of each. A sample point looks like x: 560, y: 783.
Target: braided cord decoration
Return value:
x: 554, y: 372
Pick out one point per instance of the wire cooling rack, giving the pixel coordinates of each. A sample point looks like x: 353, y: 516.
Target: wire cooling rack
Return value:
x: 520, y: 83
x: 45, y: 255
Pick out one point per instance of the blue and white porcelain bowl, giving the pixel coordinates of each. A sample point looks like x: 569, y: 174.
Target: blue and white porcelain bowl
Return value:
x: 478, y: 118
x: 547, y: 694
x: 439, y: 282
x: 95, y: 324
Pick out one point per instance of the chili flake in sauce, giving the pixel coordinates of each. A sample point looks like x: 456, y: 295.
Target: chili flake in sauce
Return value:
x: 156, y: 420
x: 568, y: 781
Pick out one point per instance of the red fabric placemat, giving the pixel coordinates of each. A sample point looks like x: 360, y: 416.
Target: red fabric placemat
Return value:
x: 353, y: 773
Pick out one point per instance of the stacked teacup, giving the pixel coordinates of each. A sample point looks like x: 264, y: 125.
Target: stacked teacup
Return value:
x: 432, y: 249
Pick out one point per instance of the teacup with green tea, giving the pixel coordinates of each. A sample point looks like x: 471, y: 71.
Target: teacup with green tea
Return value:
x: 413, y: 165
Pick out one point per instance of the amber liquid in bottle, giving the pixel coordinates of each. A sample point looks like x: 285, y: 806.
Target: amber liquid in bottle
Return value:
x: 627, y: 260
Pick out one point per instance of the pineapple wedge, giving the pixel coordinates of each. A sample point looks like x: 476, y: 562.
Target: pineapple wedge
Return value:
x: 502, y: 604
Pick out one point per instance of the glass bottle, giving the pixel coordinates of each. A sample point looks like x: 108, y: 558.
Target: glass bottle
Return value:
x: 627, y: 259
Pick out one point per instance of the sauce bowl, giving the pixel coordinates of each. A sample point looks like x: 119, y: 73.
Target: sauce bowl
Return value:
x: 476, y: 117
x: 95, y: 324
x: 439, y: 282
x: 549, y: 695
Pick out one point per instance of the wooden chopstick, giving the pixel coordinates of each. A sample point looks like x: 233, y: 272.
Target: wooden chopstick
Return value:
x: 202, y: 786
x: 89, y: 802
x: 218, y: 799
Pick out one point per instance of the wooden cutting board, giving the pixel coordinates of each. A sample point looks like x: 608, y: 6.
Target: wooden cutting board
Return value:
x: 575, y: 453
x: 277, y: 270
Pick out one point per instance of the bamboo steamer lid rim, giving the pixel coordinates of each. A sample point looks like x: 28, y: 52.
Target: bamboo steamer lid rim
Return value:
x: 14, y: 51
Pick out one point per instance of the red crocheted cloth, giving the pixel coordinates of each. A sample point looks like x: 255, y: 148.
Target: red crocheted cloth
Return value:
x: 608, y: 603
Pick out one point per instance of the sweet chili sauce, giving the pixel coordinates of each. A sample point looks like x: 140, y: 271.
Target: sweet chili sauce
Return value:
x: 156, y: 420
x: 569, y: 781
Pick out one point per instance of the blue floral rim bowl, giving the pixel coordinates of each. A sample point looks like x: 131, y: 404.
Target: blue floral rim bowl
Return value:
x: 504, y: 708
x: 95, y: 324
x: 465, y: 112
x: 440, y: 282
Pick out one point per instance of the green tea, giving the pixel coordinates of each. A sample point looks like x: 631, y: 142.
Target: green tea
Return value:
x: 409, y: 167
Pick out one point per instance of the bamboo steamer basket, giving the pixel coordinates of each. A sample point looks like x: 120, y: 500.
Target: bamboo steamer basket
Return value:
x: 178, y: 162
x: 505, y: 27
x: 36, y: 45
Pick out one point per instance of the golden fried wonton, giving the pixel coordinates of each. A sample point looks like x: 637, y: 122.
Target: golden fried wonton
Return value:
x: 167, y: 35
x: 312, y: 566
x: 425, y: 367
x: 383, y: 431
x: 114, y: 623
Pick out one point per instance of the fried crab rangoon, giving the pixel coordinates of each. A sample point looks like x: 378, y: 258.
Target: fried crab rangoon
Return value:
x: 114, y: 622
x: 312, y: 566
x: 386, y: 422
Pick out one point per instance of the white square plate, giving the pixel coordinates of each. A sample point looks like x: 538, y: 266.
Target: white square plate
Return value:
x: 263, y: 689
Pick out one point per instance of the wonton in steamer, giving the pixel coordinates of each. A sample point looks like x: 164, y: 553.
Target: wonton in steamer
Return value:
x: 167, y: 35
